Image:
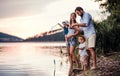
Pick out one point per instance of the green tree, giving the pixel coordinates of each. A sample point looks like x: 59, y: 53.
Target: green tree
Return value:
x: 113, y: 7
x: 108, y: 31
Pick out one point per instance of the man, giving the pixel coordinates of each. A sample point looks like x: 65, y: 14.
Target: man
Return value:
x: 86, y: 25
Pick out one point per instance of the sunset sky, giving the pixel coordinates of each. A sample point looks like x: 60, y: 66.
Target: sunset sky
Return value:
x: 25, y: 18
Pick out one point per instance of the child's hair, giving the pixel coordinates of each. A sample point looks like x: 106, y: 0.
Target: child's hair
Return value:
x: 65, y: 22
x: 82, y: 37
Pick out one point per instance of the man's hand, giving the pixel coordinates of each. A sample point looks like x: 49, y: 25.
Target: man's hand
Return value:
x: 79, y: 25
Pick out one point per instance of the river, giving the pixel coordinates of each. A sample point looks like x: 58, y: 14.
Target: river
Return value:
x: 33, y: 59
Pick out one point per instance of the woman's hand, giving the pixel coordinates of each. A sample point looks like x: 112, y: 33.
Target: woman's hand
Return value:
x: 75, y: 24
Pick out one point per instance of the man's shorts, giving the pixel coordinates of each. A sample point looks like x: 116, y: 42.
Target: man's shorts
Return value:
x: 91, y: 41
x: 71, y: 42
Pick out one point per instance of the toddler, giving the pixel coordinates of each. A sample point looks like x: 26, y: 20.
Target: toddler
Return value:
x: 82, y: 52
x: 65, y: 27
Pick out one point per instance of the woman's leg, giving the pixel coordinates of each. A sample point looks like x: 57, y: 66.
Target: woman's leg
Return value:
x: 72, y: 49
x: 71, y: 67
x: 68, y: 51
x: 70, y: 60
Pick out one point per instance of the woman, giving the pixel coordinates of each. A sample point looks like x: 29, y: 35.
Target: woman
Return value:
x: 71, y: 42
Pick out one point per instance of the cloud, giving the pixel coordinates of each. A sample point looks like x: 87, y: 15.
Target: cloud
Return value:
x: 13, y: 8
x: 30, y: 17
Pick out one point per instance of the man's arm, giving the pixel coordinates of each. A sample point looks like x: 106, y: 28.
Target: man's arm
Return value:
x: 79, y: 24
x: 85, y: 22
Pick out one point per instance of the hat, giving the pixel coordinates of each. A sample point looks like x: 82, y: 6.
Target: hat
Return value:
x: 65, y: 22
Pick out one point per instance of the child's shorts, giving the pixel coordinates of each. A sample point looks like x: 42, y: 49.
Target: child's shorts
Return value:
x: 84, y: 59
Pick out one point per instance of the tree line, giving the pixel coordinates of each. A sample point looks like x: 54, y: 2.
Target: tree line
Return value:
x: 108, y: 30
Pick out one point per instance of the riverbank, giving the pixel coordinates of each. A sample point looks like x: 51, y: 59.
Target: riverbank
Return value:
x: 106, y: 66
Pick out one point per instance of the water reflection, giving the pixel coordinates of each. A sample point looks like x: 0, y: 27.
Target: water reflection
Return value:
x: 29, y: 59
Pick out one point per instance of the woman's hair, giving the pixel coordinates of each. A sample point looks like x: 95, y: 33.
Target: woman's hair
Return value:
x: 74, y: 19
x: 82, y: 37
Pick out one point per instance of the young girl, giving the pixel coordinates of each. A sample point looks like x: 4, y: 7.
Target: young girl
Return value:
x: 82, y: 52
x: 65, y: 27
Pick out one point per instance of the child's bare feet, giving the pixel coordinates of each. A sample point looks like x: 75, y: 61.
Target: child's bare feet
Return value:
x: 93, y: 68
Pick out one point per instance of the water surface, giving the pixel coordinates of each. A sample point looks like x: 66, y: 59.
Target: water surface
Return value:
x: 30, y: 59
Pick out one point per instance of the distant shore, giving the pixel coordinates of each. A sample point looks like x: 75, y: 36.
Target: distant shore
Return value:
x: 50, y: 45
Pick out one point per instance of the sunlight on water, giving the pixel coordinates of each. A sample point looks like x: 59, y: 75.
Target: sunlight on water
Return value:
x: 29, y: 59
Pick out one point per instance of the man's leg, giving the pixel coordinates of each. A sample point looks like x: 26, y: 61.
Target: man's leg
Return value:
x: 91, y: 49
x: 93, y: 57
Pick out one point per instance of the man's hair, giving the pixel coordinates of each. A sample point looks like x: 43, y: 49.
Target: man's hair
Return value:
x: 78, y: 9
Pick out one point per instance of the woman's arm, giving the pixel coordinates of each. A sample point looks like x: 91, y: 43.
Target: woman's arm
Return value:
x: 76, y: 32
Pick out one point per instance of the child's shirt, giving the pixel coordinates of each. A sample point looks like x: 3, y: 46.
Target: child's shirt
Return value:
x: 65, y: 30
x: 82, y: 52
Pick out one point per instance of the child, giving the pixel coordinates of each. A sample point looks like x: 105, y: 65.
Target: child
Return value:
x: 65, y: 27
x: 82, y: 52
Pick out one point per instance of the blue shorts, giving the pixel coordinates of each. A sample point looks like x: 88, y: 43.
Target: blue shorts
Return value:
x: 71, y: 42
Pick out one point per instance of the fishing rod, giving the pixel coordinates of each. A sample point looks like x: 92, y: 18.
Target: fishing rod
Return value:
x: 53, y: 26
x: 54, y: 67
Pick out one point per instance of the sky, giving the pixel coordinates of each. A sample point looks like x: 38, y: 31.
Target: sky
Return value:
x: 26, y: 18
